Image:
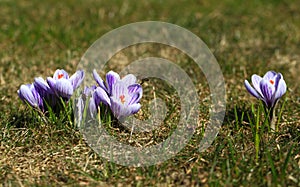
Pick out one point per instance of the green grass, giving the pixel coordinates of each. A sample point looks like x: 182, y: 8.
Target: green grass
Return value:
x: 36, y: 37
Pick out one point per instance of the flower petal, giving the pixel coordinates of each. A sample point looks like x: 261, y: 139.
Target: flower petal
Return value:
x: 133, y: 99
x: 28, y: 94
x: 115, y: 107
x: 99, y: 80
x: 136, y: 88
x: 89, y: 90
x: 42, y: 86
x: 118, y: 89
x: 129, y: 79
x: 111, y: 78
x: 51, y: 82
x: 269, y: 75
x: 280, y: 87
x: 92, y: 106
x: 255, y: 79
x: 119, y: 110
x: 134, y: 108
x: 79, y: 108
x: 267, y: 90
x: 64, y: 88
x: 25, y: 94
x: 251, y: 90
x: 77, y: 78
x: 100, y: 95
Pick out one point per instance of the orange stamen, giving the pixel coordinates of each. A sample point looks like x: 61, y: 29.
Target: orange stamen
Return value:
x: 122, y: 98
x: 271, y: 81
x: 60, y: 76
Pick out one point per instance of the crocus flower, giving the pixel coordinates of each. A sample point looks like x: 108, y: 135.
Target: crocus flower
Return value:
x: 62, y: 85
x: 124, y: 94
x: 268, y: 88
x: 30, y: 95
x: 125, y: 99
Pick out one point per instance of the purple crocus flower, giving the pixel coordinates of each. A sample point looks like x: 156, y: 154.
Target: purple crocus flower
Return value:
x: 30, y: 95
x: 124, y: 94
x: 62, y: 85
x: 268, y: 88
x: 125, y: 99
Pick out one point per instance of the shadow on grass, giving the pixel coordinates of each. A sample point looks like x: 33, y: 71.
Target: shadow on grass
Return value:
x: 238, y: 116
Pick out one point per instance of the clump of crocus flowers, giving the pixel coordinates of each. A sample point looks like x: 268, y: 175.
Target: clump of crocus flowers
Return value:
x: 120, y: 95
x: 269, y: 88
x: 48, y: 94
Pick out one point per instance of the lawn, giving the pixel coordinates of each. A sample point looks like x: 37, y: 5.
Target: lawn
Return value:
x: 246, y: 37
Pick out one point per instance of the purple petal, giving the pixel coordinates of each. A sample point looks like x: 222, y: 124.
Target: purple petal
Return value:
x: 37, y: 97
x: 118, y: 89
x: 115, y: 108
x: 119, y: 110
x: 280, y: 87
x: 134, y: 108
x: 129, y: 79
x: 60, y: 73
x: 42, y: 86
x: 79, y: 108
x: 269, y: 75
x: 92, y: 107
x: 135, y: 98
x: 111, y: 78
x: 251, y: 90
x: 51, y: 82
x: 101, y: 96
x: 136, y: 88
x: 77, y: 78
x: 23, y: 88
x: 89, y: 90
x: 267, y: 90
x: 99, y: 80
x: 256, y: 82
x: 64, y: 88
x: 29, y: 94
x: 25, y: 94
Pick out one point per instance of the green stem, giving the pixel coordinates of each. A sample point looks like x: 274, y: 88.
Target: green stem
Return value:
x: 257, y: 138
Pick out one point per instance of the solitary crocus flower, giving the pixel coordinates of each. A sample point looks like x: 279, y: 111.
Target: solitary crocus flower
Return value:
x: 29, y: 94
x: 62, y: 85
x: 268, y: 88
